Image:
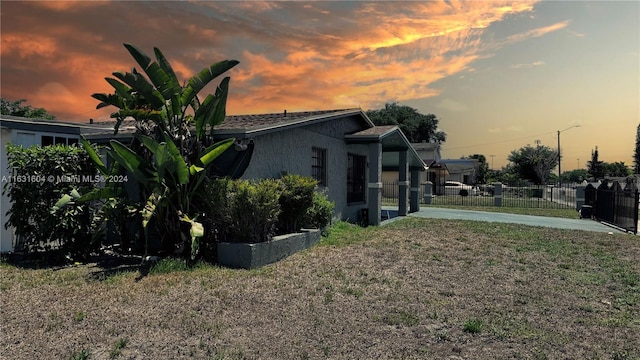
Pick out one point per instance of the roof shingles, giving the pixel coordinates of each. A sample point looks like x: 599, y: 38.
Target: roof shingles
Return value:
x: 246, y: 122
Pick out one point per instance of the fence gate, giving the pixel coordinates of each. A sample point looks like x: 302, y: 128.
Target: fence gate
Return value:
x: 614, y: 205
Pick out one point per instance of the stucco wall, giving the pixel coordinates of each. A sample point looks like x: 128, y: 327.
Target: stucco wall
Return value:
x: 6, y: 239
x: 290, y: 151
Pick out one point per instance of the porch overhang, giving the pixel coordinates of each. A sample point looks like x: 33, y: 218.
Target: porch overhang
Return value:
x: 393, y: 142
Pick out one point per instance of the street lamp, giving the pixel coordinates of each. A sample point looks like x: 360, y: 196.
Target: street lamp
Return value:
x: 559, y: 172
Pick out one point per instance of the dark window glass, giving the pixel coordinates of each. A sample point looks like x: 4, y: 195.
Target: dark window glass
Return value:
x: 46, y: 140
x: 356, y: 178
x: 61, y: 140
x: 72, y: 141
x: 319, y: 165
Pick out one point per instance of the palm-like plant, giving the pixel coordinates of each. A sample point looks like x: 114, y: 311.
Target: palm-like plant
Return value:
x: 173, y: 143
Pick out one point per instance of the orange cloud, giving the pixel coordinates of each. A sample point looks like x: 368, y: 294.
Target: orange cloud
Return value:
x: 395, y: 57
x: 292, y: 55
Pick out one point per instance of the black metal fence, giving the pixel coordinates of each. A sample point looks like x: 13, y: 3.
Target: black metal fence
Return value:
x: 613, y: 204
x: 523, y: 195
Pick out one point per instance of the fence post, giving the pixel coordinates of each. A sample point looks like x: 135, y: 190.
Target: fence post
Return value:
x: 497, y: 194
x: 428, y: 192
x: 580, y: 196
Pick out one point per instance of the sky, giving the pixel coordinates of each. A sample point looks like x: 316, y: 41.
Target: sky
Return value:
x: 499, y: 75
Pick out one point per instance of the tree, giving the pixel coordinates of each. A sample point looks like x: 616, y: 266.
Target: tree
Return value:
x: 636, y: 153
x: 15, y: 108
x: 594, y: 167
x: 575, y: 176
x: 616, y: 169
x: 416, y: 126
x: 534, y: 163
x: 167, y: 159
x: 483, y: 168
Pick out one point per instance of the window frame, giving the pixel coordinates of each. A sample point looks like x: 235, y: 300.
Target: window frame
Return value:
x: 319, y: 165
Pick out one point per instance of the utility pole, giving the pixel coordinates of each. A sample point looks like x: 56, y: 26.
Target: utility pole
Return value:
x: 559, y: 171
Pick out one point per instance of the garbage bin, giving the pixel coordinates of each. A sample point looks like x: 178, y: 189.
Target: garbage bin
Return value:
x: 586, y: 211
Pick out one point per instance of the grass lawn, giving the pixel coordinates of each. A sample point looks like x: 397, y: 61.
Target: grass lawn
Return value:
x: 561, y: 213
x: 417, y: 288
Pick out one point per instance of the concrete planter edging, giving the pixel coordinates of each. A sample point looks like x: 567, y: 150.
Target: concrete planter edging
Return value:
x: 255, y: 255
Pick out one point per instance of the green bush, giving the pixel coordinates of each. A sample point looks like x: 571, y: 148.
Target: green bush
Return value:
x: 296, y: 198
x: 320, y: 213
x: 254, y: 210
x: 40, y: 176
x: 248, y: 211
x: 240, y: 211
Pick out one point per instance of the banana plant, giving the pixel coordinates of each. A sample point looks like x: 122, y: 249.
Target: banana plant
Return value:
x: 160, y: 99
x: 174, y: 139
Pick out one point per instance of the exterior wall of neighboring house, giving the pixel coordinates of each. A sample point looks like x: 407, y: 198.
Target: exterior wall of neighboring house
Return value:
x: 429, y: 153
x: 25, y: 132
x: 462, y: 170
x: 291, y: 151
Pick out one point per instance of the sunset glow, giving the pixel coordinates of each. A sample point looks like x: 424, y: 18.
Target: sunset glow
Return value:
x: 498, y: 74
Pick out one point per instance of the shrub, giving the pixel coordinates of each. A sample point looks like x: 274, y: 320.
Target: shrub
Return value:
x: 248, y: 211
x: 295, y: 198
x: 216, y: 213
x: 240, y: 211
x: 38, y: 181
x: 320, y: 213
x: 254, y: 210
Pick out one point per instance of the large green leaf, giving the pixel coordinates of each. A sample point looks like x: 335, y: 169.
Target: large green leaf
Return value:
x: 199, y: 81
x: 108, y: 100
x: 140, y: 57
x: 204, y: 112
x: 215, y: 150
x: 121, y: 89
x: 142, y: 86
x: 106, y: 192
x: 95, y: 158
x: 131, y: 161
x: 160, y: 156
x: 212, y: 112
x: 182, y: 171
x: 165, y: 65
x: 221, y: 105
x: 165, y: 82
x: 171, y: 81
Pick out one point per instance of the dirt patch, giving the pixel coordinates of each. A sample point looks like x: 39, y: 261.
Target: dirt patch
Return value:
x: 415, y: 289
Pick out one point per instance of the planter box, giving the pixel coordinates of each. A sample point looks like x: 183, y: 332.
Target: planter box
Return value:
x: 250, y: 256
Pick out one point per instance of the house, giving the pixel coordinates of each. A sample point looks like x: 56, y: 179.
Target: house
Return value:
x: 436, y: 171
x: 342, y: 149
x: 462, y: 170
x: 28, y: 132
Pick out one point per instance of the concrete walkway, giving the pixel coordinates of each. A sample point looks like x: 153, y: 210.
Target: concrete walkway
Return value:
x: 454, y: 214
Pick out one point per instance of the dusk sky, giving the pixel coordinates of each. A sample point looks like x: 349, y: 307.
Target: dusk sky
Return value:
x: 498, y: 74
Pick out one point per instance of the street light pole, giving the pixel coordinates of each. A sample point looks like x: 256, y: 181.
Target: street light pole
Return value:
x: 559, y: 166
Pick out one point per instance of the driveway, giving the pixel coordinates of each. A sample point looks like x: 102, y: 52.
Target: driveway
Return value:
x: 454, y: 214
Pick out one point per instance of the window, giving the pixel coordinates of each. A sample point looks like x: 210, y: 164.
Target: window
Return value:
x: 46, y: 140
x: 319, y: 165
x: 356, y: 178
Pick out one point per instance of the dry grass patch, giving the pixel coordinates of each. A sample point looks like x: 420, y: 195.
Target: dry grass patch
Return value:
x: 414, y: 289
